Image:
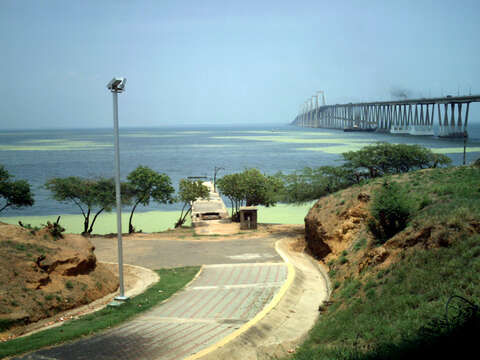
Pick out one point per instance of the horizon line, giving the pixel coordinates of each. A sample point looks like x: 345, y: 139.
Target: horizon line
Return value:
x: 146, y: 127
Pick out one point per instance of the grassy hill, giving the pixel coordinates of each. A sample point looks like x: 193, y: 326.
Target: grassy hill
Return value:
x: 413, y: 295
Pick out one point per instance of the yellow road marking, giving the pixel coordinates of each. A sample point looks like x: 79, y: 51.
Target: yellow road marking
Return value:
x: 256, y: 319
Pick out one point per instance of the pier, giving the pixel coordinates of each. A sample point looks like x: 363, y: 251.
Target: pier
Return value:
x: 211, y: 208
x: 408, y: 116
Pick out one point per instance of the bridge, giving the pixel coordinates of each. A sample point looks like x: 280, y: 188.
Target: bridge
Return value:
x: 408, y: 116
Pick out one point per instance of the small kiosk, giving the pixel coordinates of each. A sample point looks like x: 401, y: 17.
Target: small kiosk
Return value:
x: 248, y: 218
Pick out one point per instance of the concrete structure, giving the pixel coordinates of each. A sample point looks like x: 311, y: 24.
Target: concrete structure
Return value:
x: 248, y: 218
x: 409, y: 116
x: 212, y: 208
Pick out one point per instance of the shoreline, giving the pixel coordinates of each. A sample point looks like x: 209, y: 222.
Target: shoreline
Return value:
x: 156, y: 221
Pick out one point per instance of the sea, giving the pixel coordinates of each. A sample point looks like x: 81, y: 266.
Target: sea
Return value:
x: 180, y: 152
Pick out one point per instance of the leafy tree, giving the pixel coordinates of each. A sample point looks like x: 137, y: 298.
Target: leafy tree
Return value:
x: 370, y: 162
x: 439, y: 160
x: 251, y: 188
x: 145, y: 184
x: 188, y: 192
x: 16, y: 193
x: 384, y: 158
x: 232, y: 186
x: 92, y: 196
x: 309, y: 184
x: 260, y: 189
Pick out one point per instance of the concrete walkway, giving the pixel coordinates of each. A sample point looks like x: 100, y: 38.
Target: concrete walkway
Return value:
x: 220, y: 300
x: 157, y: 254
x: 219, y: 315
x: 209, y: 208
x: 286, y: 324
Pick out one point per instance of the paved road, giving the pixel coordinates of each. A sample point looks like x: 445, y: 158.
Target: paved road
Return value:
x: 219, y: 301
x: 239, y: 279
x: 156, y: 254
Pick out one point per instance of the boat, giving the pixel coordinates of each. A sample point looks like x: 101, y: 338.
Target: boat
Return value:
x: 357, y: 128
x: 421, y: 130
x: 399, y: 130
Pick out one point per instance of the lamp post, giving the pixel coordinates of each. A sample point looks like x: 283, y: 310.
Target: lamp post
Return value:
x: 216, y: 169
x: 116, y: 86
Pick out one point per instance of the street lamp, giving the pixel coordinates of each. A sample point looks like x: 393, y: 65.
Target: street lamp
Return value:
x: 216, y: 169
x: 117, y: 85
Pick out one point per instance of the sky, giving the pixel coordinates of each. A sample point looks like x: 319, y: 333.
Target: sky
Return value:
x: 226, y: 62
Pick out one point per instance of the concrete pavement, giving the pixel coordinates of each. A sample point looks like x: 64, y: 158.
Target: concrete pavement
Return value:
x: 220, y: 300
x: 157, y: 254
x: 219, y: 315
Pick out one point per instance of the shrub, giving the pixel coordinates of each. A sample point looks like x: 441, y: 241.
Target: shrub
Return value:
x: 390, y: 211
x: 33, y: 229
x: 55, y: 229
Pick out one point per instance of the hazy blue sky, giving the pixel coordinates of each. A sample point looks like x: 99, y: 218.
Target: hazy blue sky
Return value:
x: 204, y: 62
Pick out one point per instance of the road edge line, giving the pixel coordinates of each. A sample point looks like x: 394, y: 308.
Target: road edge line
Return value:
x: 286, y: 285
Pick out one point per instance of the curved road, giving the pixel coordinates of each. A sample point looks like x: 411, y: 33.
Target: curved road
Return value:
x: 240, y: 278
x: 156, y: 254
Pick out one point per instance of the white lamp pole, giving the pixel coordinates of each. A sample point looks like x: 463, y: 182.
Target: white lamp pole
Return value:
x: 117, y: 85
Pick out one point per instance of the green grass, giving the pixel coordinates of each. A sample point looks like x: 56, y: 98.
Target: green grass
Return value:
x: 398, y: 312
x: 393, y: 311
x: 171, y: 280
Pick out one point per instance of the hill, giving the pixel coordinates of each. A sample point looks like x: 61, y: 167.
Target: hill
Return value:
x: 41, y: 275
x: 413, y: 294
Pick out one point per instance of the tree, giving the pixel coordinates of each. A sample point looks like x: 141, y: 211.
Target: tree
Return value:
x: 251, y: 188
x: 260, y: 189
x: 384, y: 158
x: 145, y: 184
x: 188, y: 192
x: 15, y: 193
x: 87, y: 194
x: 309, y: 184
x: 370, y: 162
x: 232, y: 186
x: 440, y: 160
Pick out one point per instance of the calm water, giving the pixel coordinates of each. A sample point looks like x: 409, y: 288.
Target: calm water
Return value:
x: 180, y: 152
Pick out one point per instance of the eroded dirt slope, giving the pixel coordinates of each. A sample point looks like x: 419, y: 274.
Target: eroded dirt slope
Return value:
x: 41, y: 276
x: 337, y: 226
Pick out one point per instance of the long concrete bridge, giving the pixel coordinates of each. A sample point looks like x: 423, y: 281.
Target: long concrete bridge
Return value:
x: 409, y: 116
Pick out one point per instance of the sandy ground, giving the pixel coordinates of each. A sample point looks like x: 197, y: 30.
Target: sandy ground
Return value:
x: 137, y: 280
x: 217, y: 227
x: 215, y: 230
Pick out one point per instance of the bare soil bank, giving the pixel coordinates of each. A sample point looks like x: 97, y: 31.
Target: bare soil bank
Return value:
x: 338, y: 224
x: 41, y: 276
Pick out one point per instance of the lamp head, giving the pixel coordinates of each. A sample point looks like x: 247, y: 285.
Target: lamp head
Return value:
x: 117, y: 84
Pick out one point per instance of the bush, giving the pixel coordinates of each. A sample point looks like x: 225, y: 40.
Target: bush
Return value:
x: 390, y: 211
x: 55, y: 229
